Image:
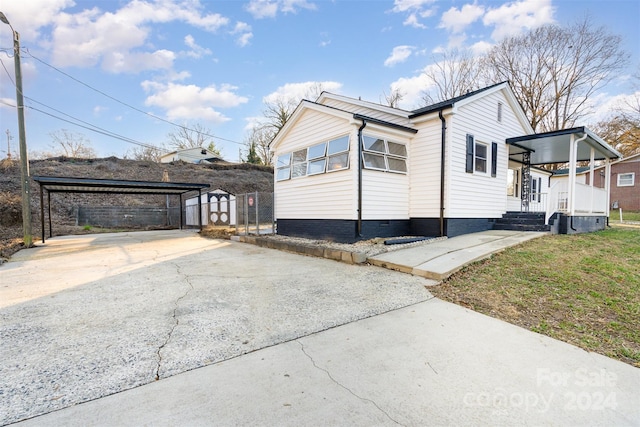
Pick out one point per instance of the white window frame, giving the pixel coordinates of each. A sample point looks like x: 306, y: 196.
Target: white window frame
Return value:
x: 286, y: 166
x: 476, y: 157
x: 632, y: 180
x: 385, y: 155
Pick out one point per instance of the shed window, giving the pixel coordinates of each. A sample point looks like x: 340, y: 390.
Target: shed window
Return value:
x: 626, y: 179
x: 383, y: 155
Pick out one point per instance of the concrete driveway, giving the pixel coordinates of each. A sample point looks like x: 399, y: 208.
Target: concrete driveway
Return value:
x: 122, y: 321
x: 87, y: 316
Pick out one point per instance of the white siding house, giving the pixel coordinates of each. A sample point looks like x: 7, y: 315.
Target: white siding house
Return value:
x: 190, y: 155
x: 348, y: 169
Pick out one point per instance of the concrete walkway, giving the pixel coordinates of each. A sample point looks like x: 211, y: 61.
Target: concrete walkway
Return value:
x: 441, y: 259
x: 167, y: 328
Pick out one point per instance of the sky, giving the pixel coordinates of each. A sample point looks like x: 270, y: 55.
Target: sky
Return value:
x: 140, y: 68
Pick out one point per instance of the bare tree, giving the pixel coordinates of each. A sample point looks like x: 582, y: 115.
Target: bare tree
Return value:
x: 454, y: 72
x: 622, y: 131
x: 71, y: 144
x: 394, y: 98
x: 554, y: 71
x: 195, y: 136
x: 145, y: 153
x: 260, y: 137
x: 278, y: 110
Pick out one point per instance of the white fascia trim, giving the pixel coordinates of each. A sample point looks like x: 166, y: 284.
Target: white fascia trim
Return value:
x: 379, y: 107
x: 303, y: 106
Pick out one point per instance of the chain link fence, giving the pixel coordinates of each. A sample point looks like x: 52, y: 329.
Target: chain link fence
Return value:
x: 254, y: 213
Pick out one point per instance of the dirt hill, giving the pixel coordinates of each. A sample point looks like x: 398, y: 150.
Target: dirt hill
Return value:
x: 235, y: 178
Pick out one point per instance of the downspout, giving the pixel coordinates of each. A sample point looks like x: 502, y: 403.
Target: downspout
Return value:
x: 442, y: 148
x: 359, y: 230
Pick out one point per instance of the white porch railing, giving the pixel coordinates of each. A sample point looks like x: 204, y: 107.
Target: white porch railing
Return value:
x: 588, y: 199
x: 538, y: 202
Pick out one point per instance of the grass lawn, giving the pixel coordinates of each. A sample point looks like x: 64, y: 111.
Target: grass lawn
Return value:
x: 633, y: 216
x: 583, y: 289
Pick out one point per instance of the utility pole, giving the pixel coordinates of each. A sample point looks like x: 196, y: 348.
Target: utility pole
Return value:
x: 9, y: 138
x: 24, y: 161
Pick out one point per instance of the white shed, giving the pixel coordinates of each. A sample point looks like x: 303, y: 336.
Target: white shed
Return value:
x: 218, y: 208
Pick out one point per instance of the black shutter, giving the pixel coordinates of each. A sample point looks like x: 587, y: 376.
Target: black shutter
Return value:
x: 469, y: 154
x: 494, y: 159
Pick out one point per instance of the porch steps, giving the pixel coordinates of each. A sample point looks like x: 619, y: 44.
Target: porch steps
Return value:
x: 522, y: 221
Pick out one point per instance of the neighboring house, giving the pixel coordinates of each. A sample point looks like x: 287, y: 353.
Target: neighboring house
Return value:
x: 190, y: 155
x: 625, y: 187
x: 348, y: 169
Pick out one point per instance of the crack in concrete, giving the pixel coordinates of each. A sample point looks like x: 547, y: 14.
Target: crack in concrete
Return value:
x: 175, y: 320
x: 364, y: 399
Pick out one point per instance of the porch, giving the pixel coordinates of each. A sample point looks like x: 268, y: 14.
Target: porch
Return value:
x: 568, y: 200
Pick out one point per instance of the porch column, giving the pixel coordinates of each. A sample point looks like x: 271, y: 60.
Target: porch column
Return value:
x: 592, y: 160
x: 607, y: 183
x: 573, y: 145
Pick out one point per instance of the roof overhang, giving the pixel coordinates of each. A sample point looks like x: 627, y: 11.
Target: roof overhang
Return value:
x: 553, y: 147
x: 110, y: 186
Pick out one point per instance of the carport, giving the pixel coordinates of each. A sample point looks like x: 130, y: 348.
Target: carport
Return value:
x: 54, y: 184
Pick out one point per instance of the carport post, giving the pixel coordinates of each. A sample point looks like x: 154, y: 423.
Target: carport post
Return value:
x: 42, y: 212
x: 200, y: 208
x: 49, y: 212
x: 180, y: 209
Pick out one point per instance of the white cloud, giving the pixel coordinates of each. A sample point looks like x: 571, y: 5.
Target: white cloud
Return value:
x: 398, y: 55
x: 191, y: 102
x: 260, y: 9
x: 27, y: 17
x: 98, y: 109
x: 457, y: 20
x: 119, y: 40
x: 299, y: 91
x: 515, y: 17
x: 412, y: 21
x: 244, y: 31
x: 604, y: 106
x: 412, y: 89
x: 196, y: 50
x: 480, y: 48
x: 415, y: 9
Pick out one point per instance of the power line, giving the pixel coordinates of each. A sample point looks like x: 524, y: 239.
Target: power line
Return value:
x: 88, y: 126
x: 125, y: 104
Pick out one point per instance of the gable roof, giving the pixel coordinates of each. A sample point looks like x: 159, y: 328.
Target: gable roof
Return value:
x: 338, y: 112
x: 461, y: 100
x: 448, y: 103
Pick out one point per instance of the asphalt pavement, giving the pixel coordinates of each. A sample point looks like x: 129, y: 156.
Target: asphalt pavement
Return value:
x: 168, y: 328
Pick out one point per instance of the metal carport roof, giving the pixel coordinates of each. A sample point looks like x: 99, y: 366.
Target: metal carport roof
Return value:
x: 57, y: 184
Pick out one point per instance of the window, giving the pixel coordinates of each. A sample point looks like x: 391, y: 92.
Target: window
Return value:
x: 626, y: 179
x: 499, y: 112
x: 512, y: 183
x: 480, y: 158
x: 380, y: 154
x: 327, y: 156
x: 283, y: 165
x: 299, y: 163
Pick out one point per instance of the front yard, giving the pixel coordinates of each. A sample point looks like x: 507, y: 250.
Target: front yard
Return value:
x: 583, y: 289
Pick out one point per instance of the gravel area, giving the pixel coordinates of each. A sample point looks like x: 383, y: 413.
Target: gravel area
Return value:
x: 369, y: 247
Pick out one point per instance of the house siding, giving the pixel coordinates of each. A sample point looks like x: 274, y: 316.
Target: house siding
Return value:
x: 325, y: 196
x: 424, y: 178
x: 474, y: 195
